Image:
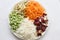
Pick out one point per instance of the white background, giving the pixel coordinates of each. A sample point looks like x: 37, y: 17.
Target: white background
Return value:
x: 53, y: 9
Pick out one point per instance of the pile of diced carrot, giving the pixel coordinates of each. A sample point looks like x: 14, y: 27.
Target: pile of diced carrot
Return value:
x: 33, y: 10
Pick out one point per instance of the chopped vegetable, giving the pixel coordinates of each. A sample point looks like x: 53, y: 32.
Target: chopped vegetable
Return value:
x: 15, y: 20
x: 33, y: 10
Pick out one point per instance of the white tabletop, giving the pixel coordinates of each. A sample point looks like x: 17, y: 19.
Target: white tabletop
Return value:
x: 53, y: 9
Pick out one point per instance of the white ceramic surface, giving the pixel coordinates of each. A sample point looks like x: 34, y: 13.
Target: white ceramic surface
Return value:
x: 53, y: 9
